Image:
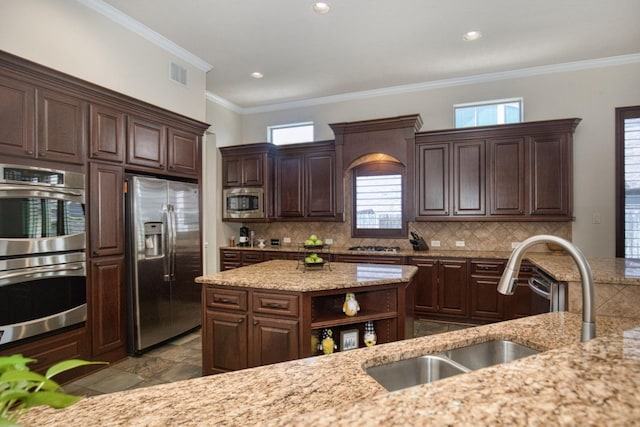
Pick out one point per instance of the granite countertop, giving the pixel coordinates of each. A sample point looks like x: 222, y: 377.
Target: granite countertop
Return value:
x: 570, y: 383
x: 291, y: 276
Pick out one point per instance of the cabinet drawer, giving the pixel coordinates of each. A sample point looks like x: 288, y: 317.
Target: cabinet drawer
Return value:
x: 279, y: 304
x: 230, y: 256
x: 252, y: 258
x: 487, y: 267
x: 228, y: 299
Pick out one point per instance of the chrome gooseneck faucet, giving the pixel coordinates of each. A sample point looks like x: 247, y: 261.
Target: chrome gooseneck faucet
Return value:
x: 509, y: 279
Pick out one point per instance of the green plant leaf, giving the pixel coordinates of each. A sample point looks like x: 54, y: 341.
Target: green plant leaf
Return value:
x: 16, y: 361
x: 66, y: 365
x: 6, y: 423
x: 52, y: 399
x: 15, y: 376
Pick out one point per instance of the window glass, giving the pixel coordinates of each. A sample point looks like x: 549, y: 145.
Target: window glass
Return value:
x: 290, y: 134
x: 377, y: 207
x: 488, y: 113
x: 628, y: 179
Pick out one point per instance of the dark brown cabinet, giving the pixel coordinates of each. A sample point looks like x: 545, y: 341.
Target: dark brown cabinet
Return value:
x: 108, y: 307
x: 234, y: 258
x: 56, y: 133
x: 364, y: 259
x: 107, y: 133
x: 17, y: 118
x: 238, y: 335
x: 305, y: 183
x: 519, y: 172
x: 155, y: 146
x: 441, y: 287
x: 486, y: 302
x: 106, y: 209
x: 240, y: 171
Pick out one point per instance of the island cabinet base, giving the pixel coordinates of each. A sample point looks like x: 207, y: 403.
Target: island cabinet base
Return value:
x: 247, y: 327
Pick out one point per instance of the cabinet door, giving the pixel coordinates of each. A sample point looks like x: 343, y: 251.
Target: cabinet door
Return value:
x: 433, y: 179
x: 550, y: 175
x: 274, y: 340
x: 17, y: 118
x: 184, y: 152
x: 453, y: 282
x: 320, y: 185
x: 426, y: 285
x: 61, y: 127
x: 108, y: 306
x: 230, y: 259
x: 289, y: 187
x: 225, y: 340
x: 506, y: 176
x: 469, y: 178
x: 146, y: 144
x: 107, y: 133
x: 252, y: 170
x: 106, y: 209
x: 486, y: 301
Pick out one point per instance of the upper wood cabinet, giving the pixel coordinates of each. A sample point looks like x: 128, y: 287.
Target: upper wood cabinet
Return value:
x: 247, y: 165
x: 154, y: 145
x: 305, y: 183
x: 106, y: 209
x: 56, y: 133
x: 519, y: 172
x: 17, y: 118
x: 107, y: 133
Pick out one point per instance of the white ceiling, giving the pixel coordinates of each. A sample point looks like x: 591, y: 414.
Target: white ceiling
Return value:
x: 365, y: 45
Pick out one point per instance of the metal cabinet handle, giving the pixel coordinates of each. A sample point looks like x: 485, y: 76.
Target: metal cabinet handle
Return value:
x: 256, y: 323
x: 273, y: 305
x: 240, y: 320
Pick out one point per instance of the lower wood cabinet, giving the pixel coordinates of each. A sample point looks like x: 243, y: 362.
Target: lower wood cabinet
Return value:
x: 244, y: 328
x: 441, y: 287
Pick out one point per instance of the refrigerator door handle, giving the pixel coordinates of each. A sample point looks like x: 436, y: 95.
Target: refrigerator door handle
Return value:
x: 172, y: 248
x: 166, y: 232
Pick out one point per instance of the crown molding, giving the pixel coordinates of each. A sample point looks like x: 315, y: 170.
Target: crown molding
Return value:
x: 436, y: 84
x: 145, y: 32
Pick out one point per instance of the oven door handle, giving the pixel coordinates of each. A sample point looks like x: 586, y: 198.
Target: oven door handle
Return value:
x: 540, y: 288
x: 11, y: 277
x: 16, y: 191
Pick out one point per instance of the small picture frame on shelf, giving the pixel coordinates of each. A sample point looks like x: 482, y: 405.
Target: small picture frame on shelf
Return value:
x: 348, y: 339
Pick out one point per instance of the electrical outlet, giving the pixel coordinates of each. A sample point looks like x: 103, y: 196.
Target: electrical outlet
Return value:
x: 514, y: 245
x: 460, y: 243
x: 435, y: 243
x: 328, y: 241
x: 286, y: 240
x: 595, y: 218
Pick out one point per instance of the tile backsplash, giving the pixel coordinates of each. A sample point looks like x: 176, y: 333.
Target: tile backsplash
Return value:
x: 488, y: 236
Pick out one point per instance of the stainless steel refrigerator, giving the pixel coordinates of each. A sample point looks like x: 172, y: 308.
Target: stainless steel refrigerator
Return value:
x: 164, y: 257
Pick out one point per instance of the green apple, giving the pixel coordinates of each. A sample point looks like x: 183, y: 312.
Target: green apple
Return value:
x: 319, y: 260
x: 308, y: 260
x: 308, y: 242
x: 319, y: 242
x: 313, y: 237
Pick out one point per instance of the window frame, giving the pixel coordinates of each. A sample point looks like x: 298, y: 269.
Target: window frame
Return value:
x: 621, y: 114
x: 519, y: 100
x: 380, y: 167
x: 270, y: 130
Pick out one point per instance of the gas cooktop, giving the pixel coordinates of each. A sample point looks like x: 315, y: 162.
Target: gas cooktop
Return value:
x: 392, y: 249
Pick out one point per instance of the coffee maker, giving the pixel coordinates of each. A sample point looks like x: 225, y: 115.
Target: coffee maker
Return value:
x: 244, y: 237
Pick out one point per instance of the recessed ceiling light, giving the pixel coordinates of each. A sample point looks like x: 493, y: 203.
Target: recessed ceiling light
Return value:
x: 471, y: 36
x: 257, y: 75
x: 321, y: 7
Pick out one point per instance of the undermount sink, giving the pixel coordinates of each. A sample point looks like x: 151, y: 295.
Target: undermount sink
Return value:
x: 418, y: 370
x: 425, y: 369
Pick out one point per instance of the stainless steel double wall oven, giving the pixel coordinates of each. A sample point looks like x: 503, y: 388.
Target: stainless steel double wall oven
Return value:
x: 42, y: 252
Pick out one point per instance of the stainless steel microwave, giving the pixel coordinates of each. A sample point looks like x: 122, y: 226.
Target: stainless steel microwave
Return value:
x: 243, y: 203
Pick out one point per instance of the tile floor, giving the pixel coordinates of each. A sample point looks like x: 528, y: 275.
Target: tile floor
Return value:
x: 181, y: 359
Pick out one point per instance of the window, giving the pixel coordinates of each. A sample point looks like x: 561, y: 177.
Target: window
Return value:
x: 485, y: 113
x: 377, y: 200
x: 628, y: 182
x: 290, y: 134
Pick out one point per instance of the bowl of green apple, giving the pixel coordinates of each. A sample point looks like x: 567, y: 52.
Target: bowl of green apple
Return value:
x: 313, y: 261
x: 313, y: 242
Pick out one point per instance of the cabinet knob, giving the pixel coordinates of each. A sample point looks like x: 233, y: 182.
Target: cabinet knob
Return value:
x: 240, y: 320
x: 29, y: 152
x: 42, y: 154
x: 255, y: 323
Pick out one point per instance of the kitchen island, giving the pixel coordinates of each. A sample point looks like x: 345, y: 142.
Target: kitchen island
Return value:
x: 281, y: 310
x: 570, y: 383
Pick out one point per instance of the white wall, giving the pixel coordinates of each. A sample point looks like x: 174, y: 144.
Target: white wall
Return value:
x: 590, y: 94
x: 69, y: 37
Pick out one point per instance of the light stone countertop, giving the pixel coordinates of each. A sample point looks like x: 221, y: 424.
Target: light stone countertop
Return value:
x: 291, y: 276
x: 595, y: 383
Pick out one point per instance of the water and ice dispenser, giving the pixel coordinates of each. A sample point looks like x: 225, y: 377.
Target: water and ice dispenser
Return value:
x: 153, y: 239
